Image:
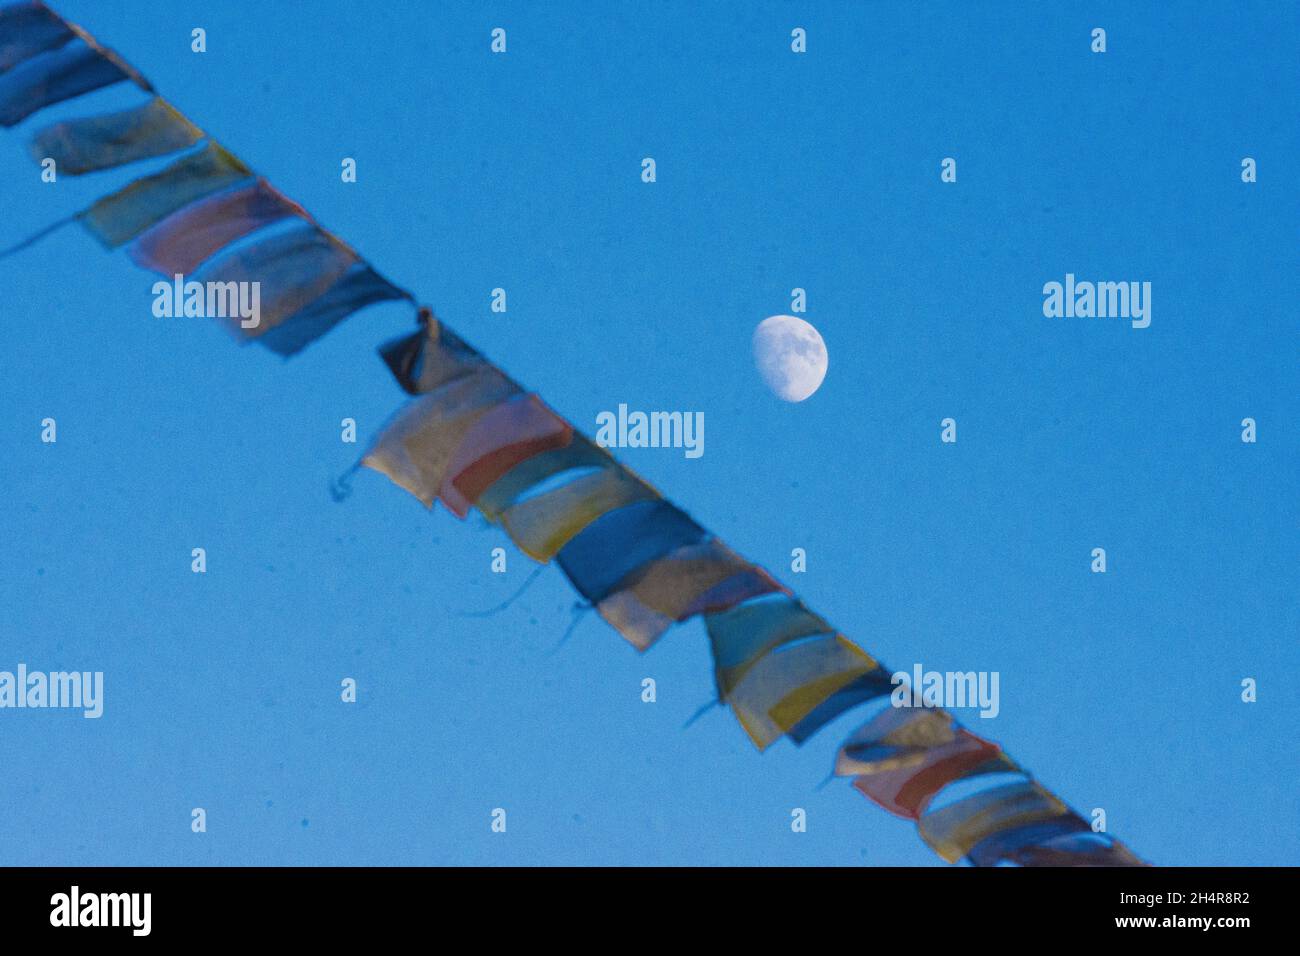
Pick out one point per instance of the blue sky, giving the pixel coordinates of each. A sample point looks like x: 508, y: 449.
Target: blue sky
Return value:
x: 775, y: 171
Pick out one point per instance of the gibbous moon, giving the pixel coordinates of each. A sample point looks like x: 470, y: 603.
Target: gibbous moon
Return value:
x: 791, y: 356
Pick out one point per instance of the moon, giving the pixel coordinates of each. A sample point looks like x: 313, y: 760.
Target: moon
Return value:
x: 791, y: 356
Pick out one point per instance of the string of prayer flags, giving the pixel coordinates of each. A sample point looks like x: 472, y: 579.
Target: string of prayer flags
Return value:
x: 1080, y: 849
x: 194, y: 233
x: 416, y: 446
x: 907, y: 791
x: 862, y: 689
x: 740, y: 636
x: 579, y: 455
x: 952, y: 831
x: 694, y: 579
x: 358, y: 287
x: 622, y: 541
x: 92, y: 143
x: 504, y: 437
x: 430, y: 357
x: 1006, y: 844
x: 27, y: 29
x: 786, y: 684
x: 896, y: 737
x: 121, y: 216
x: 543, y: 524
x: 286, y: 270
x: 52, y: 77
x: 472, y: 437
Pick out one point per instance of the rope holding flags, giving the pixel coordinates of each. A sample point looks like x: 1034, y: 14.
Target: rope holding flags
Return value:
x: 471, y: 437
